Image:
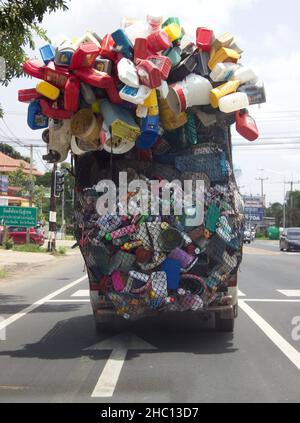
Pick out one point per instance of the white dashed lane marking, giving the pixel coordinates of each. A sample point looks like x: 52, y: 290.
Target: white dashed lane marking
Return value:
x: 290, y: 292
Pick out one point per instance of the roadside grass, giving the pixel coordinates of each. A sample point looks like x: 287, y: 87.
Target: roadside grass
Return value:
x: 3, y: 273
x: 61, y: 251
x: 29, y: 248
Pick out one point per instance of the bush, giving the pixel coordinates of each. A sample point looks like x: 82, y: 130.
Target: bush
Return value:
x: 8, y: 243
x: 3, y: 273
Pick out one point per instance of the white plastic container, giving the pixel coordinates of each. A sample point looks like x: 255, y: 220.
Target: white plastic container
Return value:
x: 223, y: 71
x: 135, y: 95
x: 60, y: 137
x: 139, y: 29
x: 194, y: 90
x: 127, y: 73
x: 233, y: 102
x: 87, y: 38
x: 244, y: 74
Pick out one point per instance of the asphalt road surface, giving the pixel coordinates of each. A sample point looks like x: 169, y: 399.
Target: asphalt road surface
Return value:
x: 53, y: 354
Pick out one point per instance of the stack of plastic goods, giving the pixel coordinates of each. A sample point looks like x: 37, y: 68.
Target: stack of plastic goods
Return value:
x: 157, y: 104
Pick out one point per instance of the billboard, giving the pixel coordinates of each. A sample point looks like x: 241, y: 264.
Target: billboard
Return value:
x: 254, y: 214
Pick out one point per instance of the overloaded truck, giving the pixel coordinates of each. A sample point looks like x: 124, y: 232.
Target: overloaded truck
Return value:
x: 146, y: 113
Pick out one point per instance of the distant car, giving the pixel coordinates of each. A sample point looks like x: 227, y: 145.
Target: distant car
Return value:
x: 18, y: 235
x: 247, y: 236
x: 290, y: 239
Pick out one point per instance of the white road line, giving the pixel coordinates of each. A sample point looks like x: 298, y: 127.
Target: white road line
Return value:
x: 81, y: 293
x: 288, y: 350
x: 290, y: 292
x: 269, y: 300
x: 241, y: 294
x: 17, y: 316
x: 68, y: 301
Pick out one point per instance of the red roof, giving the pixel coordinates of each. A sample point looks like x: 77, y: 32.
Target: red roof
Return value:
x: 8, y: 165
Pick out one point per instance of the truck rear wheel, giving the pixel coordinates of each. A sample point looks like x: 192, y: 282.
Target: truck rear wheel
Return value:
x: 224, y: 325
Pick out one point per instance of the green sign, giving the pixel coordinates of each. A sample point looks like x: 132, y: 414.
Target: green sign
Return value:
x: 18, y: 216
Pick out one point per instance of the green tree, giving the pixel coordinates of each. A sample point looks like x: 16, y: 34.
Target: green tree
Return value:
x: 11, y: 152
x: 276, y: 210
x: 19, y: 22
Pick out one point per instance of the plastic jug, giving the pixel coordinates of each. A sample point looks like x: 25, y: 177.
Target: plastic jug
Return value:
x: 158, y: 41
x: 28, y: 95
x: 127, y: 73
x: 56, y: 75
x: 71, y: 94
x: 120, y: 121
x: 59, y: 138
x: 193, y: 91
x: 163, y: 63
x: 223, y: 71
x: 173, y: 30
x: 154, y: 20
x: 87, y: 93
x: 103, y: 65
x: 135, y: 95
x: 35, y: 118
x: 183, y: 69
x: 255, y: 92
x: 202, y: 59
x: 35, y: 68
x: 174, y: 54
x: 108, y: 48
x: 88, y: 37
x: 168, y: 119
x: 137, y: 29
x: 233, y: 102
x: 223, y: 41
x: 63, y: 55
x: 246, y: 126
x: 204, y: 38
x: 222, y: 90
x: 48, y: 90
x: 85, y: 126
x: 149, y: 74
x: 244, y: 74
x: 47, y: 53
x: 234, y: 46
x: 149, y: 132
x: 223, y: 55
x: 121, y: 40
x: 85, y: 56
x: 152, y: 104
x: 163, y: 89
x: 51, y: 110
x: 99, y: 80
x: 141, y: 51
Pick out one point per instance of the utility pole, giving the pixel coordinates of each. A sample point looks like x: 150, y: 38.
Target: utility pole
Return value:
x: 63, y: 214
x: 52, y: 213
x: 262, y: 179
x: 30, y: 191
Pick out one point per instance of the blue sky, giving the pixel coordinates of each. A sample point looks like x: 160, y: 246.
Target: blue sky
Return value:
x: 268, y: 31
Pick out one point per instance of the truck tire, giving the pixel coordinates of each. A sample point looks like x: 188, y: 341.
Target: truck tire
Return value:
x: 224, y: 325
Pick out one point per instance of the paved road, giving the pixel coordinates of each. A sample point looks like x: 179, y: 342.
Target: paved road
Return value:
x: 53, y: 354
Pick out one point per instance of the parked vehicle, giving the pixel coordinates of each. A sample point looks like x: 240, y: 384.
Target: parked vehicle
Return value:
x: 18, y: 235
x: 247, y: 236
x: 290, y: 239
